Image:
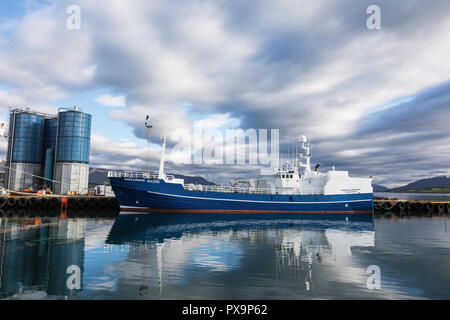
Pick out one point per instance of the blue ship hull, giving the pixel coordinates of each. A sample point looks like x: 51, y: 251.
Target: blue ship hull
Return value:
x: 155, y: 195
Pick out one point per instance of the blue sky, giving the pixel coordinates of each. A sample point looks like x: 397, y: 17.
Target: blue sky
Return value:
x: 375, y: 102
x: 12, y: 9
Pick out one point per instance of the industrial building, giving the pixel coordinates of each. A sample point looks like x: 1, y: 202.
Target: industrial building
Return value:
x: 47, y: 150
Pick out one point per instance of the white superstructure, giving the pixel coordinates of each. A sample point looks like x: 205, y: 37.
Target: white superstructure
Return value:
x: 289, y: 179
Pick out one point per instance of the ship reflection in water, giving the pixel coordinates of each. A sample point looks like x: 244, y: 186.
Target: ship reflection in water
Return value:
x: 184, y: 256
x: 267, y: 253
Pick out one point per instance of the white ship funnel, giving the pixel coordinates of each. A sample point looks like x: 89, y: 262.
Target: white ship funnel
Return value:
x: 161, y: 174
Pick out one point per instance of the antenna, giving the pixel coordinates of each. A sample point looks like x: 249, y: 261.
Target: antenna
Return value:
x: 149, y: 126
x: 309, y: 144
x: 293, y: 153
x: 288, y: 155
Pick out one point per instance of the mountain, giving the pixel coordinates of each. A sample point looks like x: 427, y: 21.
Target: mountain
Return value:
x: 435, y: 182
x: 98, y: 176
x: 194, y: 180
x: 379, y: 188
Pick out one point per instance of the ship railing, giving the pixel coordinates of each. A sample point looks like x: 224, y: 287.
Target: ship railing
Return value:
x: 227, y: 189
x: 131, y: 174
x: 291, y: 191
x: 137, y: 175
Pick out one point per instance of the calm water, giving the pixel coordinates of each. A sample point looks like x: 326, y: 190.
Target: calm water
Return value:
x: 415, y: 196
x: 182, y: 257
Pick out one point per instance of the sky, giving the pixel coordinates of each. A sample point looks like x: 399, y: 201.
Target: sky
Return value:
x: 373, y: 102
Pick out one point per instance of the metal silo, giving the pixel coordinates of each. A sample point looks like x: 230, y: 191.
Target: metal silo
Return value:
x: 50, y: 128
x: 24, y: 158
x: 73, y: 141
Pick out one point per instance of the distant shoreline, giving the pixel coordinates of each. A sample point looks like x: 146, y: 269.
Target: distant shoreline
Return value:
x: 432, y: 190
x: 429, y: 196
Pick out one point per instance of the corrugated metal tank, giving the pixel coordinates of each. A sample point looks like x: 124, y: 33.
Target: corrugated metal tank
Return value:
x: 25, y: 154
x: 27, y: 136
x: 72, y: 151
x: 74, y: 137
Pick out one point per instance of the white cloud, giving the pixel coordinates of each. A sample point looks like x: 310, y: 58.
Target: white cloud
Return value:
x: 353, y: 153
x: 104, y: 145
x: 108, y: 100
x: 215, y: 121
x: 314, y: 71
x: 44, y: 59
x: 9, y: 99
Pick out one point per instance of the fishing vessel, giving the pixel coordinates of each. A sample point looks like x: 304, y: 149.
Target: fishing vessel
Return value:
x: 294, y: 191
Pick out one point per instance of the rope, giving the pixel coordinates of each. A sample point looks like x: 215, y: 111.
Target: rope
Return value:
x: 393, y: 205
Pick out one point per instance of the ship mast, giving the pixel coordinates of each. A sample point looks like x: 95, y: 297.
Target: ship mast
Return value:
x: 307, y: 155
x: 161, y: 174
x: 149, y: 126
